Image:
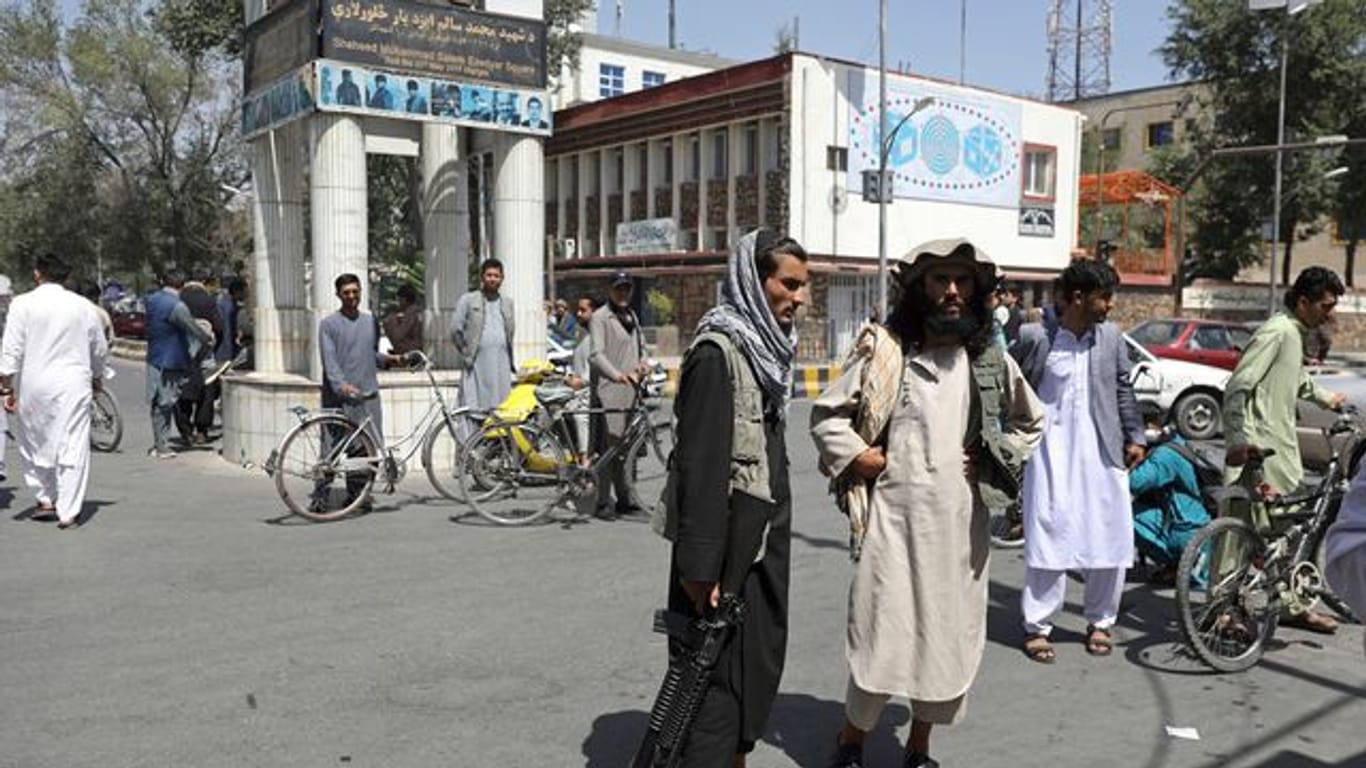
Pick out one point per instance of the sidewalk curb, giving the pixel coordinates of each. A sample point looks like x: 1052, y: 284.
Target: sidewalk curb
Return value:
x: 808, y: 381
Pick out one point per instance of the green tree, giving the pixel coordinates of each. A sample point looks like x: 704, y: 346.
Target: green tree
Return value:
x: 1236, y: 52
x: 562, y: 39
x: 148, y: 89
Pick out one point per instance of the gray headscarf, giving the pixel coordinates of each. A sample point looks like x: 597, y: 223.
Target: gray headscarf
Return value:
x: 744, y: 316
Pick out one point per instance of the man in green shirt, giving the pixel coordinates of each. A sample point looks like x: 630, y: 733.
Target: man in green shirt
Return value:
x: 1259, y: 402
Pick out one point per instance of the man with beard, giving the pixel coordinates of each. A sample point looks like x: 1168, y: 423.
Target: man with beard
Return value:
x: 1077, y: 510
x: 616, y: 357
x: 730, y: 461
x: 930, y: 430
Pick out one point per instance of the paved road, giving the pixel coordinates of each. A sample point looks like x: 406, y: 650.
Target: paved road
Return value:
x: 187, y: 624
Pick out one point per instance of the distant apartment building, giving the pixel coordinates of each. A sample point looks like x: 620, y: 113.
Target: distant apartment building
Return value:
x: 662, y: 181
x: 1133, y: 124
x: 614, y: 66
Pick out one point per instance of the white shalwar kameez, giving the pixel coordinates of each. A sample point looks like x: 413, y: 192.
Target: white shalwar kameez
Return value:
x: 1077, y: 511
x: 52, y: 348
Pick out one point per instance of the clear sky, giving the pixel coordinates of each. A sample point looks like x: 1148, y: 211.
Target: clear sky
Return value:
x: 1007, y: 43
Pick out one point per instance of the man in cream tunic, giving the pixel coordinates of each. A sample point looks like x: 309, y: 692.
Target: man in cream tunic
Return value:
x: 55, y: 345
x: 918, y: 601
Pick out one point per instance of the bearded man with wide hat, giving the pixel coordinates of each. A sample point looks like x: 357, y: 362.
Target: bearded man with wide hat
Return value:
x: 927, y: 428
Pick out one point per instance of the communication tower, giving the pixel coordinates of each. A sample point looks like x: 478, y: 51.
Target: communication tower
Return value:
x: 1079, y: 34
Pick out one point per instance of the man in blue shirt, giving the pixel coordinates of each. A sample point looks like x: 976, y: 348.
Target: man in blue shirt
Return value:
x: 173, y: 341
x: 1168, y: 509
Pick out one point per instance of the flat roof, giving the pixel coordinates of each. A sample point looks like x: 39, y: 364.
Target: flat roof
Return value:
x: 652, y: 50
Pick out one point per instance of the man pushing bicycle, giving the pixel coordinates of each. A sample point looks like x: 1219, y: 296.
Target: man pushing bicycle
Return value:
x: 1259, y: 408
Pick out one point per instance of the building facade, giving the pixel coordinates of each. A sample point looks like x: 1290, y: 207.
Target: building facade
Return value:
x: 613, y: 66
x: 662, y: 181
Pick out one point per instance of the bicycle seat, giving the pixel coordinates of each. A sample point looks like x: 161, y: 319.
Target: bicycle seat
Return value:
x: 554, y: 394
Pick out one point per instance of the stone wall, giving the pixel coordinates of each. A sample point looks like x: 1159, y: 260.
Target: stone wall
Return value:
x: 638, y: 207
x: 812, y: 331
x: 746, y: 202
x: 571, y: 217
x: 717, y: 200
x: 664, y: 202
x: 1134, y: 304
x: 775, y: 200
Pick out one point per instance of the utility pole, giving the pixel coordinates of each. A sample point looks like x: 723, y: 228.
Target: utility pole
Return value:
x: 882, y: 160
x: 673, y: 40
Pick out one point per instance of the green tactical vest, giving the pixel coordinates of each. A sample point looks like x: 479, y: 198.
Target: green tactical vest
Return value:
x: 1001, y: 469
x: 749, y: 471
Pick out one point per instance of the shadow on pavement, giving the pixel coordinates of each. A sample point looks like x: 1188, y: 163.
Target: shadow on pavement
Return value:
x: 614, y: 739
x: 804, y: 728
x: 1287, y: 759
x: 816, y: 542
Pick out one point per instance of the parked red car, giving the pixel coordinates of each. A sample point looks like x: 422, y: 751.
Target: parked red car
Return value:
x: 1211, y: 342
x: 130, y: 325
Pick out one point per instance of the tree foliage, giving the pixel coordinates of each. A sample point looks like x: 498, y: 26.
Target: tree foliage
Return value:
x: 1236, y: 53
x: 133, y: 104
x: 562, y: 38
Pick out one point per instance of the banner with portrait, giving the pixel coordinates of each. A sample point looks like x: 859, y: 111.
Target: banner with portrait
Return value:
x: 962, y: 148
x: 343, y: 87
x: 283, y: 101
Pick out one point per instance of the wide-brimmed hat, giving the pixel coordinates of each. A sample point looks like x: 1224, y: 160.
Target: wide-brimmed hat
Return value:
x: 913, y: 264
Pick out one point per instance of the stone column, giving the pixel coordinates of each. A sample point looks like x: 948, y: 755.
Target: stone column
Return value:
x: 445, y: 234
x: 280, y: 312
x: 338, y: 215
x: 518, y: 221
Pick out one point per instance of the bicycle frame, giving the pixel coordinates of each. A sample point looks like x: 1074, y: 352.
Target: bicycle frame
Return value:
x: 406, y: 447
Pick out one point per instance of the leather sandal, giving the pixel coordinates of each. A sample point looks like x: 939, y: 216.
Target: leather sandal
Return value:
x: 1099, y: 641
x: 1037, y: 647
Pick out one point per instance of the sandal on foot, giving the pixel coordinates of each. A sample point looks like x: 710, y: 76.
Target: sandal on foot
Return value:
x: 1099, y: 640
x: 1038, y: 648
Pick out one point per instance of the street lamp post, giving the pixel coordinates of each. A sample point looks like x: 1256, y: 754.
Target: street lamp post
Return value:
x: 884, y: 191
x: 1291, y: 7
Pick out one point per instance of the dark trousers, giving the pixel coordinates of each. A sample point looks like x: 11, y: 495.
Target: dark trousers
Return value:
x: 715, y: 737
x: 194, y: 410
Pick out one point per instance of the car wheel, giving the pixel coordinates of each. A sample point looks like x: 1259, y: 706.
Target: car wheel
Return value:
x: 1198, y: 416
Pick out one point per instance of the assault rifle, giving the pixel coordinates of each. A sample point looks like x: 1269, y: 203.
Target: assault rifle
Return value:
x: 703, y: 638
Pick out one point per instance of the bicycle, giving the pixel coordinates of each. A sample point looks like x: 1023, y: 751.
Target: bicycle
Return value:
x: 519, y: 472
x: 106, y: 422
x: 1232, y: 583
x: 327, y: 453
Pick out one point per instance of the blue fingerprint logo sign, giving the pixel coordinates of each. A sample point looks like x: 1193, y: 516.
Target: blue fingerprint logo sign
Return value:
x: 939, y: 145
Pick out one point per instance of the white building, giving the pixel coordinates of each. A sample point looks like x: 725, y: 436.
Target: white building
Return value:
x: 612, y: 66
x: 662, y: 181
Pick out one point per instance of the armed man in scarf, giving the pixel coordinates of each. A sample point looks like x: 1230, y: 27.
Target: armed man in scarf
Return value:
x: 730, y: 463
x: 933, y: 427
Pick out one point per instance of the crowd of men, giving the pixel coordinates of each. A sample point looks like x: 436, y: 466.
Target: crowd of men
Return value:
x: 949, y: 409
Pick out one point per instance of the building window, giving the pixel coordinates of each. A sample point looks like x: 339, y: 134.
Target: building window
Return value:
x: 1040, y: 171
x: 772, y: 151
x: 719, y: 168
x: 642, y: 166
x: 720, y: 240
x: 1160, y: 134
x: 694, y: 157
x: 749, y: 160
x: 611, y: 80
x: 1109, y: 139
x: 837, y: 158
x: 651, y: 79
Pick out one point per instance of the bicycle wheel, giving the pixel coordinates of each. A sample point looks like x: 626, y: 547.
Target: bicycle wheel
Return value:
x: 1228, y: 602
x: 442, y: 453
x: 324, y: 468
x: 106, y: 423
x: 647, y: 460
x: 515, y: 474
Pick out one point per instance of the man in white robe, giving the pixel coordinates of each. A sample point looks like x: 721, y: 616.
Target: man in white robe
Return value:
x: 1077, y: 510
x: 960, y: 420
x: 51, y: 359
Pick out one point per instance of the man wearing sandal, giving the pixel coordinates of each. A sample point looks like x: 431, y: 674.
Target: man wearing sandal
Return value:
x: 927, y: 431
x: 1077, y: 510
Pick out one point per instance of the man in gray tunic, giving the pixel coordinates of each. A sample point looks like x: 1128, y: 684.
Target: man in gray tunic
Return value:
x: 482, y: 330
x: 957, y: 421
x: 348, y: 340
x: 616, y: 356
